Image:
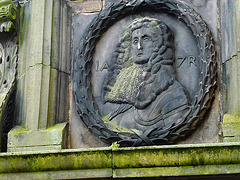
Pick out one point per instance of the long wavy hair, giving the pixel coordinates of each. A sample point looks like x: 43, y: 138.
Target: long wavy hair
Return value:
x: 160, y: 62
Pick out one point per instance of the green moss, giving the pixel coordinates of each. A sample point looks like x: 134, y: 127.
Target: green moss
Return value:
x: 231, y: 125
x: 114, y: 126
x: 176, y: 160
x: 52, y: 161
x: 168, y: 157
x: 115, y: 145
x: 19, y: 130
x: 229, y: 118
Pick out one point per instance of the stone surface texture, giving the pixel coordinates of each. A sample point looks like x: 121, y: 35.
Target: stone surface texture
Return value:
x: 208, y: 131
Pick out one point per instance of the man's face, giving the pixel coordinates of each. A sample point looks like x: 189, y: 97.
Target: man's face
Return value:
x: 142, y: 45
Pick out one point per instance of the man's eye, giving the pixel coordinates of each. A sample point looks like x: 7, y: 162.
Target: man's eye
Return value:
x: 135, y: 41
x: 146, y: 39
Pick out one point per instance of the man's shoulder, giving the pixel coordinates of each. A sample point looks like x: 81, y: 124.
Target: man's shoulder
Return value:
x: 174, y: 97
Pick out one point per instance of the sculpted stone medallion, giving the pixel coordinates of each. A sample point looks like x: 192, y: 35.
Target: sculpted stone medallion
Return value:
x: 142, y: 93
x: 144, y: 80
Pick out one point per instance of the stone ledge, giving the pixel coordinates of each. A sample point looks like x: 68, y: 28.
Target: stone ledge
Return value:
x: 157, y: 161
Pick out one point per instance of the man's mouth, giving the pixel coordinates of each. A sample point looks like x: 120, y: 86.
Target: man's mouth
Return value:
x: 139, y: 54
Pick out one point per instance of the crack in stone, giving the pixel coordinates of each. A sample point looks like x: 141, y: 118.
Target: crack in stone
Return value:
x: 32, y: 66
x: 233, y: 56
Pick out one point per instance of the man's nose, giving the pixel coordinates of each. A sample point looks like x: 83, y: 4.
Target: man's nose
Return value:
x: 140, y: 44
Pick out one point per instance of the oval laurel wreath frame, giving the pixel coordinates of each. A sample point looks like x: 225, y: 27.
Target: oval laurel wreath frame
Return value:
x: 85, y: 105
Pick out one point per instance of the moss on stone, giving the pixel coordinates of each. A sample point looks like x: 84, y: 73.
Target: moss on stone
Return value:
x: 231, y: 125
x: 230, y: 118
x: 155, y: 161
x: 114, y: 126
x: 18, y: 130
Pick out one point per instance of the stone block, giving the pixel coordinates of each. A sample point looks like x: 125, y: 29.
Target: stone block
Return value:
x: 58, y: 100
x: 232, y: 103
x: 88, y: 6
x: 53, y: 138
x: 231, y: 126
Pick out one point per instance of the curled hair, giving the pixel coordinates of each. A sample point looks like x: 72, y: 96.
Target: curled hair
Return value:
x: 162, y: 36
x: 161, y: 58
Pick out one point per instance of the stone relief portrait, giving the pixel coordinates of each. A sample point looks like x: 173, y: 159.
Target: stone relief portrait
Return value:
x: 142, y: 78
x: 144, y: 73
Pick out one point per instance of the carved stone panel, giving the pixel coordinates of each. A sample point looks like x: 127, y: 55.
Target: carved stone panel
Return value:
x: 156, y: 80
x: 8, y: 71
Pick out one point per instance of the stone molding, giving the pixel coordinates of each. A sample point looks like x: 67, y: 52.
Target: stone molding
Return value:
x: 220, y: 160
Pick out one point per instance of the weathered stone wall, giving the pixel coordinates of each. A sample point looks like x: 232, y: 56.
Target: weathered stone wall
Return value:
x: 52, y: 70
x: 46, y: 118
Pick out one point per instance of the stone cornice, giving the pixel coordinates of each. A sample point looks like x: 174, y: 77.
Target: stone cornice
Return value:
x: 155, y: 161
